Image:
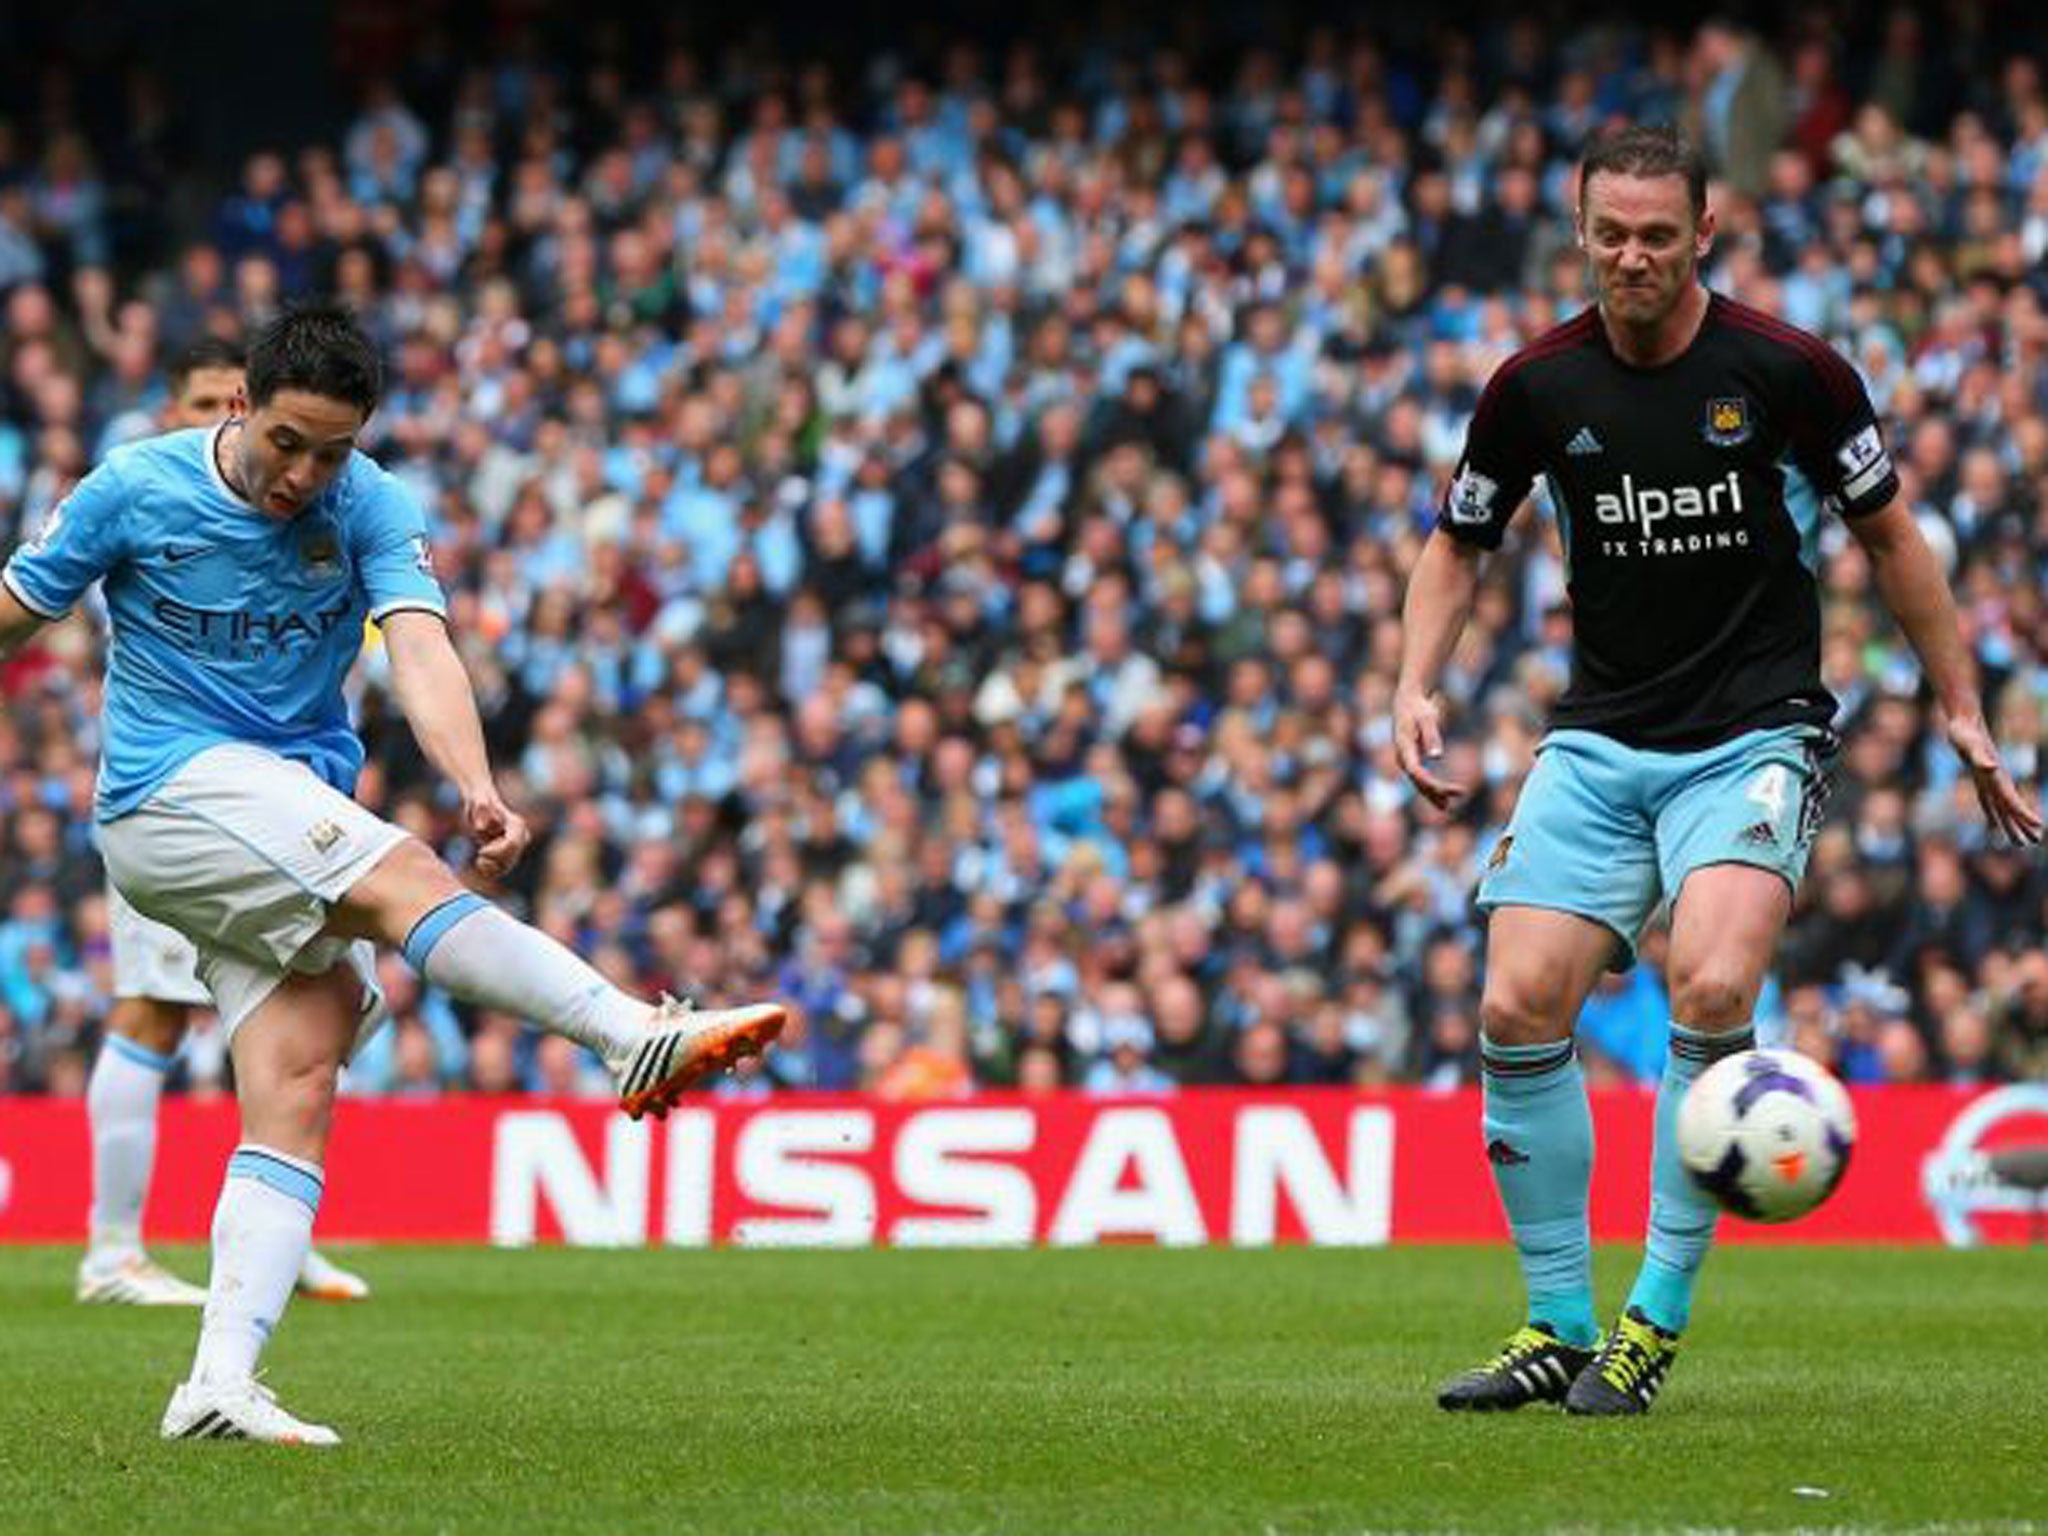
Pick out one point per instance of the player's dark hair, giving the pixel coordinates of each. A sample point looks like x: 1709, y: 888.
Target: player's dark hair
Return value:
x: 317, y: 347
x: 206, y: 352
x: 1646, y: 149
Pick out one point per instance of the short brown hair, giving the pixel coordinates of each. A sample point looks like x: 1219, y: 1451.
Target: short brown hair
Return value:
x: 206, y: 352
x: 1646, y: 149
x: 318, y: 346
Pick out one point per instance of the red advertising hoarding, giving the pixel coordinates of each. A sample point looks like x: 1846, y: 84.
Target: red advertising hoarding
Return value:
x: 1323, y: 1166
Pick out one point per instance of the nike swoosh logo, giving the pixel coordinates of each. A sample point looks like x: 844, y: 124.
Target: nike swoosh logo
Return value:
x: 177, y: 556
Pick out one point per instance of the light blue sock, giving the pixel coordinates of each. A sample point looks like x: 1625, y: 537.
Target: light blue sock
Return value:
x: 1539, y: 1140
x: 1681, y: 1217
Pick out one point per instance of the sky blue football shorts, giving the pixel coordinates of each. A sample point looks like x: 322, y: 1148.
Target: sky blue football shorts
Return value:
x: 1610, y: 831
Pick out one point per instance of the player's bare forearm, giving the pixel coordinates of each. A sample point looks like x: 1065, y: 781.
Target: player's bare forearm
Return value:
x: 17, y: 623
x: 1440, y: 592
x: 1909, y: 579
x: 433, y: 689
x: 1441, y: 589
x: 1918, y: 596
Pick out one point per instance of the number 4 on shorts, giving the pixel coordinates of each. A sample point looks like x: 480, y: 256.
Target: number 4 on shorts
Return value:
x: 1768, y: 789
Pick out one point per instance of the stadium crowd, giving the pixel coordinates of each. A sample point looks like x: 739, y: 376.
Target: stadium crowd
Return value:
x: 929, y: 537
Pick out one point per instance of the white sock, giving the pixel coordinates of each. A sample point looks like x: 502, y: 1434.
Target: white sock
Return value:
x: 261, y: 1231
x: 476, y: 951
x: 120, y: 1107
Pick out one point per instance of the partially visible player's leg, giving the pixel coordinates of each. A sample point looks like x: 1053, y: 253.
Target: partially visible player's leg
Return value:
x: 136, y: 1052
x: 476, y: 951
x: 1539, y: 1144
x: 154, y: 989
x: 1572, y: 877
x: 288, y: 1050
x: 241, y: 851
x: 1539, y: 1131
x: 1732, y: 833
x: 156, y: 986
x: 1724, y: 930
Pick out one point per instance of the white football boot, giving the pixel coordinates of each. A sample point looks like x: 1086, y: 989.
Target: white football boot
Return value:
x: 134, y: 1280
x: 324, y: 1280
x: 685, y: 1044
x: 237, y: 1410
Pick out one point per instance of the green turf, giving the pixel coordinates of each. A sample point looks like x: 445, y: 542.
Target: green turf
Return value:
x: 1111, y: 1390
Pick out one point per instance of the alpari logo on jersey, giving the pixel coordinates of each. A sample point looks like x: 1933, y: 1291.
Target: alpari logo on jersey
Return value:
x: 1655, y: 520
x: 1728, y: 421
x: 1644, y: 507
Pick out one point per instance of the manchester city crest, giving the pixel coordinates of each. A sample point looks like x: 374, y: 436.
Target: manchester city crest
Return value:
x: 1728, y: 421
x: 320, y: 551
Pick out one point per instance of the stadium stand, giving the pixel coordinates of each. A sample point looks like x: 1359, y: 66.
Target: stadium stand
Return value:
x: 929, y: 531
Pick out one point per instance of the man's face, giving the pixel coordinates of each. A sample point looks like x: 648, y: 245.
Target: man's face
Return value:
x: 1640, y: 237
x: 204, y: 398
x: 292, y: 446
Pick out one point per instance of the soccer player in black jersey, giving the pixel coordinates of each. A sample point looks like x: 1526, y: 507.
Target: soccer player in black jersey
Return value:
x: 1690, y: 445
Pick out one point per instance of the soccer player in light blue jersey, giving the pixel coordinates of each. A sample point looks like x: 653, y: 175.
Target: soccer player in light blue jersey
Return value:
x: 239, y: 566
x: 156, y: 987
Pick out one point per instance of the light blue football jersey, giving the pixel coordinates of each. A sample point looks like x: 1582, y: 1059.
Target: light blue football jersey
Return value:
x: 229, y: 624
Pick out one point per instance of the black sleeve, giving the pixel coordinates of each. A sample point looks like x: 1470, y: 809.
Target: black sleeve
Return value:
x: 1498, y: 465
x: 1836, y: 440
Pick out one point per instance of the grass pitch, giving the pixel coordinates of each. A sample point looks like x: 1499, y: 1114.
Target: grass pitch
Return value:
x: 1113, y: 1390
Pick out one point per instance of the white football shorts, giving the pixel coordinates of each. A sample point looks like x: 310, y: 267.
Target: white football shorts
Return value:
x: 152, y: 959
x: 242, y: 851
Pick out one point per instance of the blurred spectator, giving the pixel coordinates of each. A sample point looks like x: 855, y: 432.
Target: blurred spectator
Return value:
x: 1743, y: 104
x: 1124, y: 1067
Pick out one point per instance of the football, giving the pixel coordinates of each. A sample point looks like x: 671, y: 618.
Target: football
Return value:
x: 1767, y: 1134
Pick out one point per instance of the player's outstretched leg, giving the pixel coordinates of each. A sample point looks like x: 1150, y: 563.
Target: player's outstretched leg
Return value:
x: 120, y: 1107
x: 655, y: 1051
x: 681, y: 1045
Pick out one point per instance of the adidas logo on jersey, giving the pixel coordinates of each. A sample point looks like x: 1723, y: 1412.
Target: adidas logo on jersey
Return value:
x: 1583, y: 442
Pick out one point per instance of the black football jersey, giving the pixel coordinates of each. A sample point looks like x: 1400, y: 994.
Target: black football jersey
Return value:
x: 1689, y: 498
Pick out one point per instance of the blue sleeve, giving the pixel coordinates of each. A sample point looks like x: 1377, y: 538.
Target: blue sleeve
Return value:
x: 392, y: 556
x: 81, y: 540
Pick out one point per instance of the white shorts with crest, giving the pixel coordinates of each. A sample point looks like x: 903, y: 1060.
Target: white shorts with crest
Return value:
x: 151, y: 959
x: 242, y: 851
